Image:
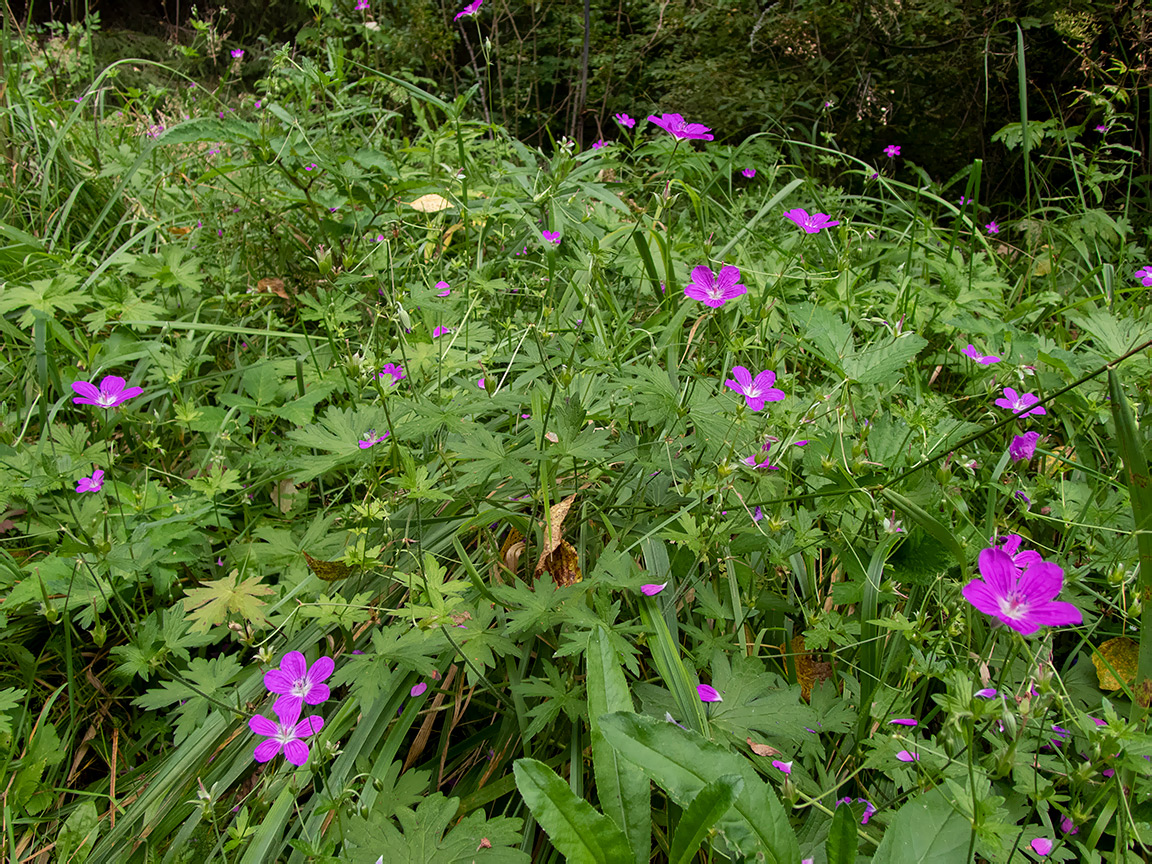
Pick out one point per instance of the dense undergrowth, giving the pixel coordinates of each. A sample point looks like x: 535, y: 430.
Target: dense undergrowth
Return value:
x: 484, y: 434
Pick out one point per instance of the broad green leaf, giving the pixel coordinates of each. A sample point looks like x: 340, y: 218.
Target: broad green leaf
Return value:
x: 682, y: 763
x: 625, y: 794
x: 712, y: 802
x: 926, y: 830
x: 880, y: 362
x: 840, y: 847
x: 578, y: 832
x: 78, y: 836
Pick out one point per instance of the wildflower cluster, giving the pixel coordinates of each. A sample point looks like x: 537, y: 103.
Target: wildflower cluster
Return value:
x: 297, y: 685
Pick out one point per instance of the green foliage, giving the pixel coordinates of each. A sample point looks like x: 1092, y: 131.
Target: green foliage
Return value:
x: 467, y: 536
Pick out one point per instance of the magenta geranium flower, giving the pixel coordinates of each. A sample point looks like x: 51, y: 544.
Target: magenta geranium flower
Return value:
x: 759, y: 460
x: 905, y: 756
x: 551, y: 236
x: 111, y: 393
x: 756, y: 391
x: 749, y: 173
x: 904, y: 721
x: 361, y: 5
x: 297, y: 684
x: 1019, y: 402
x: 786, y: 767
x: 982, y: 359
x: 600, y: 143
x: 1024, y: 600
x: 418, y: 689
x: 1144, y: 274
x: 1042, y: 846
x: 393, y: 371
x: 444, y: 289
x: 986, y: 693
x: 652, y: 589
x: 1021, y: 559
x: 237, y: 53
x: 992, y: 228
x: 285, y: 735
x: 91, y: 484
x: 707, y: 693
x: 441, y: 331
x: 812, y: 224
x: 1023, y: 447
x: 869, y: 808
x: 471, y: 9
x: 892, y: 151
x: 624, y: 120
x: 712, y: 290
x: 675, y: 126
x: 372, y: 439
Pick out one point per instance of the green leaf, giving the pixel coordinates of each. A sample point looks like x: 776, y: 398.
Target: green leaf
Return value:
x: 683, y: 763
x: 880, y: 362
x: 926, y: 830
x: 625, y: 794
x: 424, y: 836
x: 840, y: 847
x: 78, y: 835
x: 712, y: 802
x: 578, y: 832
x: 929, y: 523
x: 9, y: 698
x: 213, y: 603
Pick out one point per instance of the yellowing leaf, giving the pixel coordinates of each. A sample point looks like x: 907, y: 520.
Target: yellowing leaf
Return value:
x: 329, y: 571
x: 430, y: 203
x: 1121, y: 654
x: 220, y: 598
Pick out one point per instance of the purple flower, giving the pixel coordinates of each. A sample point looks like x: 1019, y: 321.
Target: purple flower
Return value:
x: 1144, y: 274
x: 551, y: 236
x: 392, y: 370
x: 905, y: 756
x: 1021, y: 560
x: 286, y: 734
x: 297, y: 684
x: 755, y: 392
x: 1041, y: 846
x: 707, y: 693
x: 361, y: 5
x: 311, y: 166
x: 1023, y: 447
x: 652, y: 589
x: 675, y: 126
x: 982, y: 359
x: 903, y: 721
x: 986, y: 693
x: 625, y: 120
x: 1024, y: 600
x: 1101, y: 128
x: 471, y: 9
x: 869, y: 807
x: 441, y: 331
x: 749, y: 173
x: 786, y: 767
x: 1019, y: 402
x: 757, y: 514
x: 712, y: 290
x: 992, y: 228
x: 964, y: 201
x: 892, y: 151
x: 418, y: 689
x: 599, y: 144
x: 759, y: 460
x: 811, y: 224
x: 372, y: 439
x: 110, y: 394
x: 91, y: 484
x: 444, y: 289
x: 237, y: 53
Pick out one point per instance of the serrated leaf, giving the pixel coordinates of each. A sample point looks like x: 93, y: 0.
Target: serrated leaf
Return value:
x: 926, y: 830
x: 880, y: 362
x: 217, y: 600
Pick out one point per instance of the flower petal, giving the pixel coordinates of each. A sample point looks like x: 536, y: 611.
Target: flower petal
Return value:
x: 261, y: 725
x: 296, y: 752
x: 317, y: 694
x: 308, y: 726
x: 294, y: 665
x: 277, y: 682
x: 266, y: 750
x: 728, y: 278
x: 982, y: 597
x: 321, y: 670
x: 112, y: 385
x: 998, y: 571
x: 1041, y: 581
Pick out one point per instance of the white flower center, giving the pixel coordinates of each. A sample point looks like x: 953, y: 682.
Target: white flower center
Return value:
x: 1013, y: 606
x: 105, y: 401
